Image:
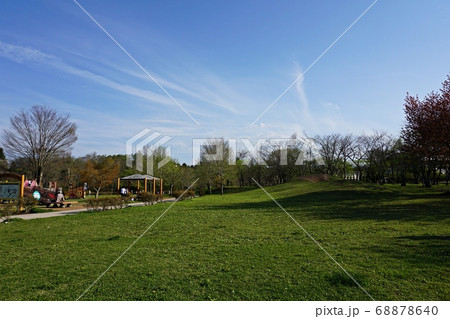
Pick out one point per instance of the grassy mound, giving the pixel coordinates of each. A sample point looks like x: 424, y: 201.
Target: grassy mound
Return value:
x: 315, y: 178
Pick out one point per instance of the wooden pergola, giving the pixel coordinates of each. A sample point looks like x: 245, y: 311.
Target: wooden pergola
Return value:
x: 145, y: 179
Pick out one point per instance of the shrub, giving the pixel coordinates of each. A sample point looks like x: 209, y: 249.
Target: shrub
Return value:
x: 92, y: 204
x: 115, y: 202
x: 119, y: 202
x: 149, y: 198
x: 25, y: 203
x: 104, y: 203
x: 184, y: 195
x: 99, y: 204
x: 126, y: 199
x: 6, y: 210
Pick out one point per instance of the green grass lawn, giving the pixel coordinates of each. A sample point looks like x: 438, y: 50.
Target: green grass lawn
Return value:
x: 394, y: 241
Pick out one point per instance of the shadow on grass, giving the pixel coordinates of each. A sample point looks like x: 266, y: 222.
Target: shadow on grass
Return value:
x: 430, y: 251
x: 339, y: 278
x: 357, y: 205
x: 427, y: 238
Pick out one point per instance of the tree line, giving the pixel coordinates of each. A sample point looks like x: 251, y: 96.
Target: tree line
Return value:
x: 420, y: 154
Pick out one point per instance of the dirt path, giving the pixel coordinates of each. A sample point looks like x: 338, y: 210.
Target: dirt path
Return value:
x: 70, y: 211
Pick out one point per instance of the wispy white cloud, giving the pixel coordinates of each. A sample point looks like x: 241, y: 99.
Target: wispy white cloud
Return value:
x: 326, y: 117
x: 128, y: 89
x: 299, y: 87
x: 22, y: 54
x: 27, y: 55
x: 307, y: 118
x: 199, y: 84
x: 203, y: 87
x: 200, y: 91
x: 106, y: 133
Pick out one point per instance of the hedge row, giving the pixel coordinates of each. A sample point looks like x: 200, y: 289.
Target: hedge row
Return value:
x: 99, y: 204
x: 24, y: 204
x: 149, y: 198
x: 183, y: 194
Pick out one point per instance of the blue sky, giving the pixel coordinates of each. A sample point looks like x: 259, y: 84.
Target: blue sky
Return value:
x: 224, y: 62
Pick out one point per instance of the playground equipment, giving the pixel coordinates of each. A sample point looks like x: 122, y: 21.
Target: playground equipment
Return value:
x: 47, y: 196
x: 76, y: 192
x: 11, y: 186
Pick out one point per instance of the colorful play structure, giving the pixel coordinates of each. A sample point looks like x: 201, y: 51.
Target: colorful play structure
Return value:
x: 13, y: 186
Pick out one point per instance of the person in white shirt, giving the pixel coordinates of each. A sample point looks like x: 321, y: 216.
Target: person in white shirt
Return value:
x: 60, y: 199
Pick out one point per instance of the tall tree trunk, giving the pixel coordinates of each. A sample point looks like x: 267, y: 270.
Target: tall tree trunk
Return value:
x: 39, y: 175
x: 403, y: 174
x: 426, y: 175
x: 403, y: 177
x: 447, y: 175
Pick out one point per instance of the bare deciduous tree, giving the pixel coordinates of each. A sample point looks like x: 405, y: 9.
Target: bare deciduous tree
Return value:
x: 330, y: 151
x: 3, y: 162
x: 39, y: 135
x: 358, y: 154
x: 345, y: 149
x: 377, y: 149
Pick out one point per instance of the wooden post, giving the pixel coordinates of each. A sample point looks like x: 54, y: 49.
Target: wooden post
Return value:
x: 161, y: 188
x: 22, y: 182
x: 118, y: 183
x: 154, y: 186
x: 145, y: 186
x: 138, y: 186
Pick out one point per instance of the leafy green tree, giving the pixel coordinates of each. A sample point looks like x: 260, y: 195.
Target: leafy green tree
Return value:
x: 187, y: 176
x: 171, y: 174
x: 100, y: 172
x: 214, y: 165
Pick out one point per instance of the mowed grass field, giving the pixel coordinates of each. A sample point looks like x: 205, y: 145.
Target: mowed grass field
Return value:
x: 395, y: 241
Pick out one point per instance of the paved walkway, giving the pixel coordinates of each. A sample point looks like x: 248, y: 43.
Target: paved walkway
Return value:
x: 69, y: 211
